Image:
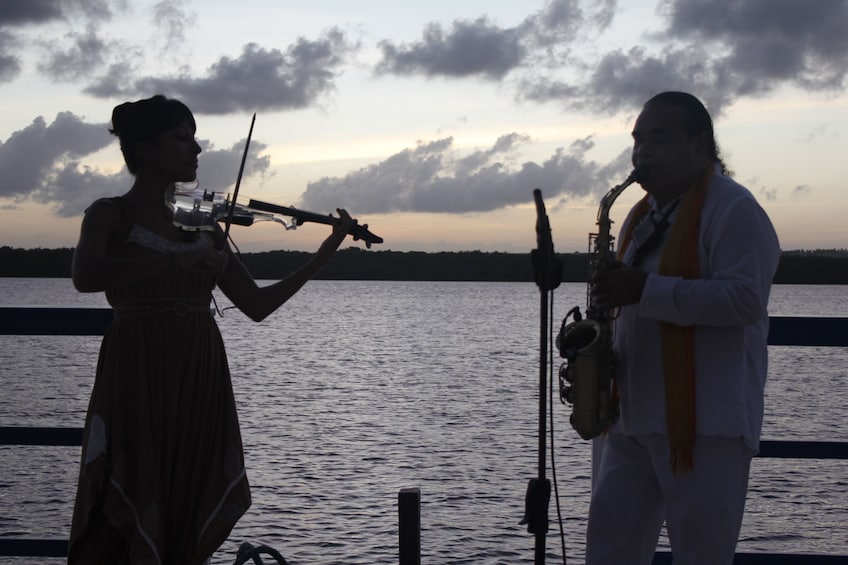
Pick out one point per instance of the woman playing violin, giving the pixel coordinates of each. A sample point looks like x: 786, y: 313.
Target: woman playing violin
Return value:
x: 162, y: 476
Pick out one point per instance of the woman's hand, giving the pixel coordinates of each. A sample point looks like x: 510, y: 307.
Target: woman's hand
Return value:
x: 340, y: 228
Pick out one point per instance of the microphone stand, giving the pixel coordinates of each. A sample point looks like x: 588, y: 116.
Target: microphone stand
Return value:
x: 547, y: 270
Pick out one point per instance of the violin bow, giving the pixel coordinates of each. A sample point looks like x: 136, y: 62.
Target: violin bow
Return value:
x: 238, y: 179
x: 357, y: 230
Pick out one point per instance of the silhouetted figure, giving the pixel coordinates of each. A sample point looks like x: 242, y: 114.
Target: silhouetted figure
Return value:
x: 698, y: 255
x: 162, y: 476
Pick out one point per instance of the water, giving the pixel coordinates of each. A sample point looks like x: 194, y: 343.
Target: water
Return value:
x: 355, y: 390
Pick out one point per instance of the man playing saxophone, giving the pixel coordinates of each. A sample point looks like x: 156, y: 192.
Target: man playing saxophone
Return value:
x: 697, y: 257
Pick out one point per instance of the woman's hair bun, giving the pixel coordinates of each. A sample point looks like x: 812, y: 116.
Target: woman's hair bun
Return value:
x: 143, y: 120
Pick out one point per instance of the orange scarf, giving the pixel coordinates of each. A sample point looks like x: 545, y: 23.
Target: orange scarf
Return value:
x: 679, y: 259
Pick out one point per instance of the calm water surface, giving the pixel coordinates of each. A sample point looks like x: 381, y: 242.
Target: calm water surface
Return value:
x: 355, y: 390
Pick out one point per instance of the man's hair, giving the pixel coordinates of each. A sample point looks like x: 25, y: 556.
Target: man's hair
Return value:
x: 697, y: 118
x: 141, y: 121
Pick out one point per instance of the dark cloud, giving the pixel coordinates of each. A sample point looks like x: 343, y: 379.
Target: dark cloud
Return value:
x: 55, y: 172
x: 769, y: 41
x: 10, y: 64
x: 113, y: 83
x: 481, y: 48
x: 41, y: 146
x: 34, y: 12
x: 94, y: 9
x: 47, y: 150
x: 546, y: 89
x: 42, y: 161
x: 623, y: 81
x: 432, y: 178
x: 259, y: 79
x: 563, y: 21
x: 468, y: 48
x: 85, y: 54
x: 73, y: 186
x: 719, y: 50
x: 30, y: 11
x: 59, y: 62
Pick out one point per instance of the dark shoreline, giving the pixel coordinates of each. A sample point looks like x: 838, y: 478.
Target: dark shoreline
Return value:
x: 821, y: 266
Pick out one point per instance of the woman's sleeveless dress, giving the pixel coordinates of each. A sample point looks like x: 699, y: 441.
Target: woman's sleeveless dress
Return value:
x: 162, y: 457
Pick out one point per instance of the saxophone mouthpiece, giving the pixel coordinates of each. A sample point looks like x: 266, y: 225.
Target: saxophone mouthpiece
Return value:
x: 635, y: 175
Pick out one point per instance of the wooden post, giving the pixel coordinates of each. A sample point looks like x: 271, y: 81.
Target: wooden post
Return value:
x: 409, y: 526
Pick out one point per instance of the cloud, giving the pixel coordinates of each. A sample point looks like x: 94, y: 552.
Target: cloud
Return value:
x: 769, y: 194
x: 10, y: 64
x: 824, y: 132
x: 86, y: 54
x: 433, y: 177
x: 55, y: 172
x: 81, y: 55
x: 720, y: 51
x: 30, y: 12
x: 47, y: 150
x: 623, y: 81
x: 469, y: 48
x: 172, y: 19
x: 73, y: 187
x: 41, y: 146
x: 14, y: 15
x: 563, y: 21
x: 481, y: 48
x: 259, y: 79
x: 218, y: 168
x: 769, y: 40
x: 59, y: 62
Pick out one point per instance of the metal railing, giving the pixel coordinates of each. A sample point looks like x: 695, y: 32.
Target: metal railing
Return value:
x: 792, y: 331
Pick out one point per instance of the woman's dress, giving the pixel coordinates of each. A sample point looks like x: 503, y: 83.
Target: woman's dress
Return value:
x: 162, y: 463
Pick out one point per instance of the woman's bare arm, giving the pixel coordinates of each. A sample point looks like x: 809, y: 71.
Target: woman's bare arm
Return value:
x: 258, y: 302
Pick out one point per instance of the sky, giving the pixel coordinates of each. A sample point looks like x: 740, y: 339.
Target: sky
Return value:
x: 432, y: 122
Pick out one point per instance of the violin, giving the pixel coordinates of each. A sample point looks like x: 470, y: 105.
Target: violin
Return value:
x: 196, y: 210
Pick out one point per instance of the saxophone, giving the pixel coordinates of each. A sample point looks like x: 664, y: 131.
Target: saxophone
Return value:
x: 585, y: 378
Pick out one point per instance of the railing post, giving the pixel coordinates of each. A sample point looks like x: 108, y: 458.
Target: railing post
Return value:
x: 409, y: 526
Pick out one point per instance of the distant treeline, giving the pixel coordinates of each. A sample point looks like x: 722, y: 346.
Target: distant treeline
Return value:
x: 821, y: 266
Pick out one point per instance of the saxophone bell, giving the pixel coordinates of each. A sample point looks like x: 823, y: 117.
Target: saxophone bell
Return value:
x: 581, y: 383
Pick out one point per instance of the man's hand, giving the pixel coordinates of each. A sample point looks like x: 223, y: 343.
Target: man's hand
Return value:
x: 618, y: 285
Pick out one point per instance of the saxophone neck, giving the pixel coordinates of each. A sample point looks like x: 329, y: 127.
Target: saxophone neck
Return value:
x: 610, y: 197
